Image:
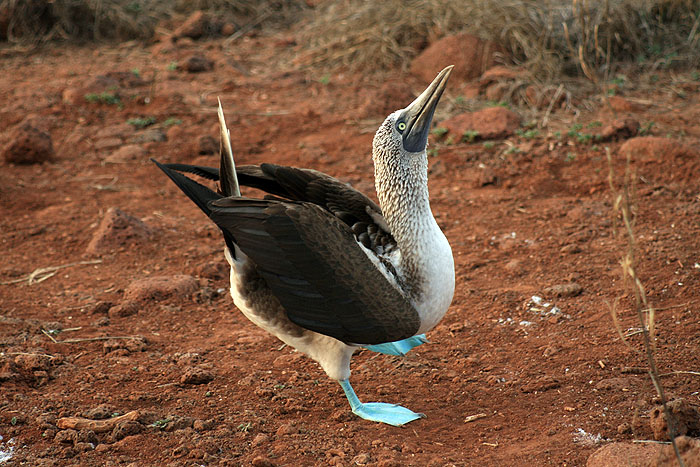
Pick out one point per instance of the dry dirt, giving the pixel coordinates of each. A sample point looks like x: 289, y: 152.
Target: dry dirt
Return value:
x: 547, y: 386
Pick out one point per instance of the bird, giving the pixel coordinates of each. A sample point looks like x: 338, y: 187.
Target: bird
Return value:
x: 320, y: 265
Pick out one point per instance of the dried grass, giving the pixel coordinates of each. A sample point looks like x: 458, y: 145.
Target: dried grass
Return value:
x: 40, y: 21
x: 625, y: 212
x: 546, y: 36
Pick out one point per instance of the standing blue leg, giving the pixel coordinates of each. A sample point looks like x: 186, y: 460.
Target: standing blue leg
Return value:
x: 399, y: 348
x: 391, y: 414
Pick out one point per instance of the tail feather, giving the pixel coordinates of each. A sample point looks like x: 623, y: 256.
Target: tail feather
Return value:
x: 198, y: 193
x: 227, y: 171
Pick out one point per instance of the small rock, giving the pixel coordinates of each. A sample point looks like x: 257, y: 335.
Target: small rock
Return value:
x: 28, y: 145
x: 542, y: 384
x: 620, y: 104
x: 179, y: 423
x: 489, y: 123
x: 84, y: 447
x: 161, y: 287
x: 124, y: 309
x: 685, y: 416
x: 101, y: 412
x: 287, y: 429
x: 149, y: 135
x: 197, y: 375
x: 624, y: 428
x: 342, y: 415
x: 514, y: 266
x: 689, y: 449
x: 197, y: 64
x: 103, y: 448
x: 107, y: 143
x: 126, y: 428
x: 207, y: 145
x: 101, y: 308
x: 118, y: 131
x: 117, y: 229
x: 262, y: 461
x: 470, y: 54
x: 657, y: 148
x: 623, y: 455
x: 570, y: 249
x: 623, y: 128
x: 47, y: 420
x: 614, y: 384
x: 136, y: 344
x: 361, y: 459
x: 32, y: 362
x: 127, y: 153
x: 260, y: 439
x: 487, y: 176
x: 571, y: 289
x: 187, y: 358
x: 87, y: 436
x: 212, y: 270
x: 228, y: 29
x: 65, y: 436
x: 203, y: 425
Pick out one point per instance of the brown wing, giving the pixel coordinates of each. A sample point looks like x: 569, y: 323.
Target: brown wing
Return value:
x: 352, y: 207
x: 315, y: 267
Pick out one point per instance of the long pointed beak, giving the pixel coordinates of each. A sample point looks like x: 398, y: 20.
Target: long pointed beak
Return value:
x: 419, y: 114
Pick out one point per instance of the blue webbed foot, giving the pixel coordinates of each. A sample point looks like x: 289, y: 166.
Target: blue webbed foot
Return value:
x: 399, y: 348
x: 391, y: 414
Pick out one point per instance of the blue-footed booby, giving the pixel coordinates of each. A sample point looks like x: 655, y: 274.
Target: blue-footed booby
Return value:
x: 324, y: 268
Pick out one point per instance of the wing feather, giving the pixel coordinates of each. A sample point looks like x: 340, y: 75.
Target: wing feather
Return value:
x: 314, y: 266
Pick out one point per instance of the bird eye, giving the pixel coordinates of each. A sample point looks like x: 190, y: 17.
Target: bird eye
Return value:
x: 401, y: 126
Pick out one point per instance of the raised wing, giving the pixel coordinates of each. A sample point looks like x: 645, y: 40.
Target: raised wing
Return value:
x: 315, y: 267
x: 352, y: 207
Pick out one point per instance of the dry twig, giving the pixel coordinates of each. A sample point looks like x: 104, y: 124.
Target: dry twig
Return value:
x: 623, y: 206
x: 98, y: 426
x: 41, y: 274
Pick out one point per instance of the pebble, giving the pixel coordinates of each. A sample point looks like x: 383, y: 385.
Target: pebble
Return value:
x: 262, y: 461
x: 260, y: 439
x: 28, y: 145
x: 571, y: 289
x: 196, y: 375
x: 117, y: 229
x: 126, y: 428
x: 287, y: 429
x: 160, y: 287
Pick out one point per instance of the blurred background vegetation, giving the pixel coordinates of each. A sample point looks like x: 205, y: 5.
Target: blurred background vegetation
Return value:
x: 550, y: 38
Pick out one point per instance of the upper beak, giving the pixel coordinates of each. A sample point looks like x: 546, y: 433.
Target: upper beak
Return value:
x: 419, y: 114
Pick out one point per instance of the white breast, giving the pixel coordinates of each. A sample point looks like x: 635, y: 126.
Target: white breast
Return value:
x: 438, y: 277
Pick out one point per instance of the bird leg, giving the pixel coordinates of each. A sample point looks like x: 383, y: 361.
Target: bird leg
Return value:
x: 399, y: 348
x: 391, y: 414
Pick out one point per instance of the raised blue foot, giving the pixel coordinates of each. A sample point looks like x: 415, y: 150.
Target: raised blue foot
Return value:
x: 391, y: 414
x: 399, y: 348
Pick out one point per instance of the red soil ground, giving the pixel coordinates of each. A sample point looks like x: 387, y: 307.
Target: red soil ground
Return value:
x: 549, y: 388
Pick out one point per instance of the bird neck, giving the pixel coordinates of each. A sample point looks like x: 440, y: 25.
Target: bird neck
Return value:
x: 424, y: 262
x: 402, y: 189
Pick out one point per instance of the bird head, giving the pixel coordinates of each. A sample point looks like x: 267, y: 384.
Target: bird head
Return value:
x: 406, y: 130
